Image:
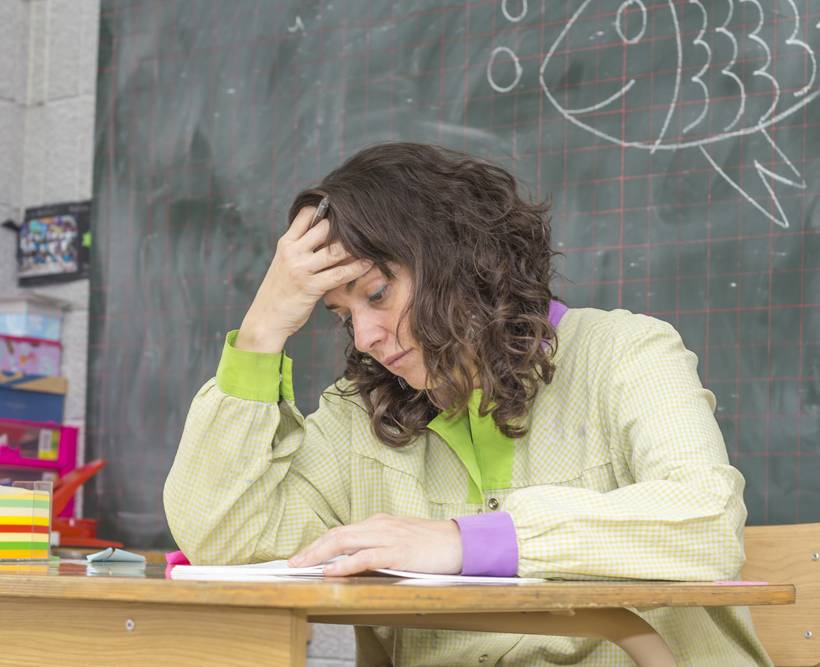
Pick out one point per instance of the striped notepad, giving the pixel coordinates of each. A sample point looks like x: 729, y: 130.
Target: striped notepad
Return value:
x: 25, y: 518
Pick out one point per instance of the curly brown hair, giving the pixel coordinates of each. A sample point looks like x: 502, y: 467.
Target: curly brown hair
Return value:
x: 480, y: 261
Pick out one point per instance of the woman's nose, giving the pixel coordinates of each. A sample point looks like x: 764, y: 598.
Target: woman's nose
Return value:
x: 367, y: 331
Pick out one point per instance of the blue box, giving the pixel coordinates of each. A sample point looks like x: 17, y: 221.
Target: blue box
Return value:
x: 34, y: 326
x: 32, y: 397
x: 32, y: 315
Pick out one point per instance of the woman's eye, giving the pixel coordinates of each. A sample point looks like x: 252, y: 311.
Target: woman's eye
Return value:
x: 377, y: 296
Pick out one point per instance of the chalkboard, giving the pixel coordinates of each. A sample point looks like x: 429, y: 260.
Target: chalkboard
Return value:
x: 677, y: 139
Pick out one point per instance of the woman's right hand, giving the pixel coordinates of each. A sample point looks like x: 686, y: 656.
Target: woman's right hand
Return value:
x: 302, y: 271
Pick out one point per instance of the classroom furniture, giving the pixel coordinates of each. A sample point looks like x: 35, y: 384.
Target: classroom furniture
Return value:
x: 791, y: 634
x: 147, y: 619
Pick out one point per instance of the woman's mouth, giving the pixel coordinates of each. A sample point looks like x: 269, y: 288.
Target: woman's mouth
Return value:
x: 393, y: 361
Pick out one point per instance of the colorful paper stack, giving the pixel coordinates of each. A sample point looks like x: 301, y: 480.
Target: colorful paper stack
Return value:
x: 25, y: 519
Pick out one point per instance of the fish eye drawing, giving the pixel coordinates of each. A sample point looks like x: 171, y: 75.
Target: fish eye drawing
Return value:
x: 727, y: 73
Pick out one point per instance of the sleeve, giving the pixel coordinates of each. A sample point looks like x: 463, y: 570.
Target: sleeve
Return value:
x: 488, y: 545
x: 682, y: 516
x: 252, y: 479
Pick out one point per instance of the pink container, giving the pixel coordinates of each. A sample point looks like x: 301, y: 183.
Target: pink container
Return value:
x: 30, y: 356
x: 33, y: 450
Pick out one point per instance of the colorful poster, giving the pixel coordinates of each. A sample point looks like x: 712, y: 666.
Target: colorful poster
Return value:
x: 53, y: 244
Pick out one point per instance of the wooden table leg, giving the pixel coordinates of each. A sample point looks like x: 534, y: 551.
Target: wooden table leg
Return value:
x: 620, y: 626
x: 36, y: 632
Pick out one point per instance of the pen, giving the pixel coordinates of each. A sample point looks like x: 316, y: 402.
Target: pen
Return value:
x: 320, y: 211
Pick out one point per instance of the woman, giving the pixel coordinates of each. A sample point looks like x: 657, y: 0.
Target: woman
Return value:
x: 480, y: 427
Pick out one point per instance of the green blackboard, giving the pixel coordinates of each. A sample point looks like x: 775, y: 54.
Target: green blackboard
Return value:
x: 677, y: 139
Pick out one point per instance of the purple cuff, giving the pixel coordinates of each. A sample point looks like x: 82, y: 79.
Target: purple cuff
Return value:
x: 488, y: 545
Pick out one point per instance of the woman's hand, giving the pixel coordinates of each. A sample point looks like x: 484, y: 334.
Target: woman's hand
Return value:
x: 301, y: 272
x: 386, y: 541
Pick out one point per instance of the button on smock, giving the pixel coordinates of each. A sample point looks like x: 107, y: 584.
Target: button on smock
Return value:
x: 493, y: 504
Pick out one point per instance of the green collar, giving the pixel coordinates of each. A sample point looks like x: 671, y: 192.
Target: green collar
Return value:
x: 486, y: 453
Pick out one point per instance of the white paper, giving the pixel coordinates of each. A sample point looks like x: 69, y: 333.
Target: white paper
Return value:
x: 279, y: 569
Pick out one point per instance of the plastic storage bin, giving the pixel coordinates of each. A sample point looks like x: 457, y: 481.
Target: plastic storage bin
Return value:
x: 32, y: 397
x: 32, y: 315
x: 37, y: 451
x: 31, y: 356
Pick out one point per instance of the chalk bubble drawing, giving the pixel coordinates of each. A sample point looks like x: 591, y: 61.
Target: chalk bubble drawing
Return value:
x: 516, y: 63
x: 756, y: 113
x: 514, y: 18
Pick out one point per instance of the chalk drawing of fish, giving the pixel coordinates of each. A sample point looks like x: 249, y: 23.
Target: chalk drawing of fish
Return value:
x: 699, y: 73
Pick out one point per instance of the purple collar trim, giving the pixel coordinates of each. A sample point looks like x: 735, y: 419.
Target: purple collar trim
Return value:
x: 557, y: 311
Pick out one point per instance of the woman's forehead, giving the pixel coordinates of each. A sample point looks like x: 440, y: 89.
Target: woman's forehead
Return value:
x: 339, y: 295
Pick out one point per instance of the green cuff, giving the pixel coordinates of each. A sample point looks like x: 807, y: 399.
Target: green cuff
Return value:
x: 287, y: 378
x: 254, y: 376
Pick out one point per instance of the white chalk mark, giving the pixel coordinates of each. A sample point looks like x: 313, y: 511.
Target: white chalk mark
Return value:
x: 518, y: 69
x: 713, y: 139
x: 510, y: 17
x: 697, y: 77
x: 297, y: 25
x: 609, y: 100
x: 460, y: 130
x: 794, y: 41
x: 764, y: 71
x: 768, y: 119
x: 619, y: 20
x: 727, y: 71
x: 678, y: 74
x: 764, y: 173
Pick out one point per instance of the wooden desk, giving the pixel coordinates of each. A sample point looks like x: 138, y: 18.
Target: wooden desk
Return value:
x: 60, y: 615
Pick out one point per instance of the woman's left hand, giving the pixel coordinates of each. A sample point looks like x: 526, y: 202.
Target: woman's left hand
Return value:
x: 386, y: 541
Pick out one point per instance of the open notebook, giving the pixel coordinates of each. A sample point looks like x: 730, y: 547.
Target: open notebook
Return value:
x: 278, y: 569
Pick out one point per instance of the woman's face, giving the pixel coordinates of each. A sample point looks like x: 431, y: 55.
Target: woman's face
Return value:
x: 375, y: 304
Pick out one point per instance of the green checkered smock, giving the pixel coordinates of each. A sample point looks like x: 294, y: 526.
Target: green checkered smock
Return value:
x: 623, y: 473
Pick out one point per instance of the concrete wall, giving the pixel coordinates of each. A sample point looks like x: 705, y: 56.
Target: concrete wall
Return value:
x: 47, y: 94
x: 47, y: 91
